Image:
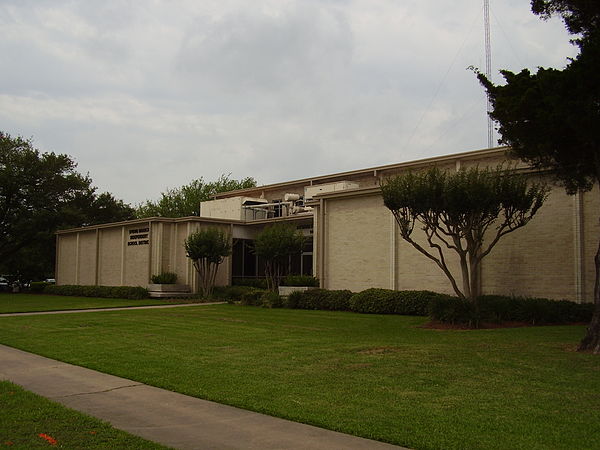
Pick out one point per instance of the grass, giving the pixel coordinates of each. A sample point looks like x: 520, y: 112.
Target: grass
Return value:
x: 11, y: 303
x: 380, y: 377
x: 24, y: 416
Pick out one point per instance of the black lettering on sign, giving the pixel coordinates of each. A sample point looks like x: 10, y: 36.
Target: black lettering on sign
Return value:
x: 139, y: 236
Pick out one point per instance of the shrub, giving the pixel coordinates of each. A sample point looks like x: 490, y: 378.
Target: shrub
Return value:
x: 271, y: 299
x: 500, y: 308
x: 259, y: 283
x: 453, y: 310
x: 230, y: 293
x: 319, y: 299
x: 128, y: 292
x: 38, y: 286
x: 300, y: 280
x: 165, y: 278
x: 536, y: 311
x: 252, y: 297
x: 386, y: 301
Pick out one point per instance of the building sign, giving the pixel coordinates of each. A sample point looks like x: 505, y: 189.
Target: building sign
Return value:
x: 139, y: 236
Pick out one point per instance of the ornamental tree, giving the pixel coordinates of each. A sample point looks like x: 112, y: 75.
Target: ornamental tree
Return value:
x: 551, y: 118
x: 275, y: 244
x: 208, y: 248
x: 466, y: 212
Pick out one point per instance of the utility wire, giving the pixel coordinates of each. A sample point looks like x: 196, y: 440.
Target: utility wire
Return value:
x: 439, y: 87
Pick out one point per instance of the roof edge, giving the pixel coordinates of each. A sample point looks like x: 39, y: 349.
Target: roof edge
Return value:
x: 433, y: 159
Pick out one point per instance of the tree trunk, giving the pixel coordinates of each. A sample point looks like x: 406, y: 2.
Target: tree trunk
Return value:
x: 464, y: 267
x: 591, y: 341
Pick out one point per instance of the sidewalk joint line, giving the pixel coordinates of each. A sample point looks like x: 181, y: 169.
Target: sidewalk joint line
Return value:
x: 101, y: 392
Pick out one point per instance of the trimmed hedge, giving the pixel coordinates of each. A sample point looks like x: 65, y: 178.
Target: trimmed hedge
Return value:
x: 230, y: 293
x: 39, y: 286
x: 300, y: 280
x: 270, y: 299
x: 252, y: 297
x: 320, y: 299
x: 500, y: 308
x: 440, y: 307
x: 128, y: 292
x: 386, y: 301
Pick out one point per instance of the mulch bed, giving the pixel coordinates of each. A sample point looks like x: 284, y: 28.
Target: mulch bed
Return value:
x: 435, y: 325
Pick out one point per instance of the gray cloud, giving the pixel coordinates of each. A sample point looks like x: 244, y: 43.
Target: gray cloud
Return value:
x: 148, y: 96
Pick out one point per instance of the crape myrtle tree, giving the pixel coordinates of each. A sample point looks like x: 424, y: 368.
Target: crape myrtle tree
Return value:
x: 465, y: 212
x: 551, y: 118
x: 275, y: 244
x: 208, y: 248
x: 185, y: 201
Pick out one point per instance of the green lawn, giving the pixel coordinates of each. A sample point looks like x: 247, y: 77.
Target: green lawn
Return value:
x: 10, y: 303
x: 24, y: 416
x: 375, y: 376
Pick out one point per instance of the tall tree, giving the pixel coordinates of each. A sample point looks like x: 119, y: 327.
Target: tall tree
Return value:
x: 551, y: 118
x: 185, y: 201
x: 40, y: 193
x: 457, y: 211
x: 34, y: 188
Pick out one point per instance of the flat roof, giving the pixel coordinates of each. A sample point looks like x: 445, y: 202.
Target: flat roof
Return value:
x: 322, y: 178
x: 153, y: 219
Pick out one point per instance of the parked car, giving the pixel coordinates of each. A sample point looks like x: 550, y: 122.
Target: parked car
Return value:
x: 4, y: 285
x: 50, y: 280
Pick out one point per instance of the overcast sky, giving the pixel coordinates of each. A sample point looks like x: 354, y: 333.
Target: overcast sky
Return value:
x: 146, y: 95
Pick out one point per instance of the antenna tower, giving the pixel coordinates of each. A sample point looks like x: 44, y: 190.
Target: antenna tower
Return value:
x: 488, y: 67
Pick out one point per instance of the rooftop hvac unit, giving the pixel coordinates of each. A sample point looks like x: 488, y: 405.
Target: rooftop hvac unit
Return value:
x: 311, y: 191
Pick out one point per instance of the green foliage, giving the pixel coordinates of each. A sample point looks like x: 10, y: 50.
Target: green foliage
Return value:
x: 300, y: 280
x: 453, y: 310
x: 127, y: 292
x: 260, y: 283
x: 274, y: 244
x: 271, y: 299
x: 252, y: 297
x: 185, y: 201
x: 319, y: 299
x: 551, y: 118
x: 230, y: 293
x: 499, y: 309
x: 212, y: 244
x: 164, y: 278
x: 580, y: 16
x: 40, y: 193
x: 456, y: 210
x: 386, y: 301
x: 207, y: 248
x: 38, y: 286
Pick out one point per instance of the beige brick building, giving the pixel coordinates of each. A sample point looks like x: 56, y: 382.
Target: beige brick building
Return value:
x: 353, y: 242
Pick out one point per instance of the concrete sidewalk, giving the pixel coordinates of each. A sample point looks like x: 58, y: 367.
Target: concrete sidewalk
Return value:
x: 120, y: 308
x: 163, y: 416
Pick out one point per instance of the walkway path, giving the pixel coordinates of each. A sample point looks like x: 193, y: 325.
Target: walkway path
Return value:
x: 163, y: 416
x: 121, y: 308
